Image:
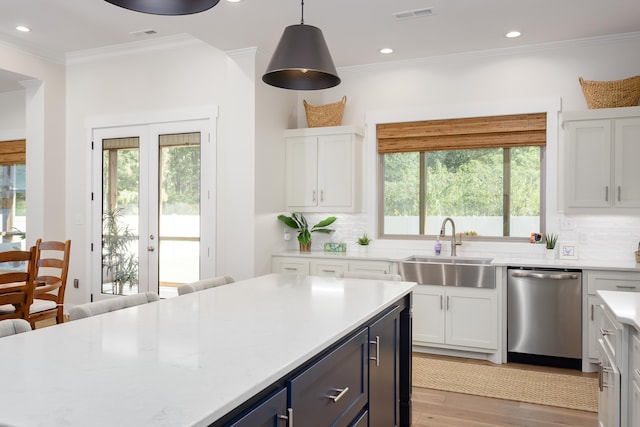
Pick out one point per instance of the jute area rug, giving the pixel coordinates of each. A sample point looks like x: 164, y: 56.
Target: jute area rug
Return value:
x: 565, y: 391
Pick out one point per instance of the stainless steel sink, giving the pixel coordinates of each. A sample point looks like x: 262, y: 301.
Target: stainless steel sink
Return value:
x: 453, y: 260
x: 454, y: 271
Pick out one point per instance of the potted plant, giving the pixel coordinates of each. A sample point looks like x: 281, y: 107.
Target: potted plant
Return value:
x: 298, y: 222
x: 364, y: 240
x: 550, y: 240
x: 119, y: 261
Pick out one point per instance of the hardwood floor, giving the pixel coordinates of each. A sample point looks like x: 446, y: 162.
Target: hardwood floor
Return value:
x: 434, y: 408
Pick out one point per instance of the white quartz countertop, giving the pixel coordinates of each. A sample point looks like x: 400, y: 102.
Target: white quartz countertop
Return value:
x: 184, y: 361
x: 498, y: 259
x: 625, y: 306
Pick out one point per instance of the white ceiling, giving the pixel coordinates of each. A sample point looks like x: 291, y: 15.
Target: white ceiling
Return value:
x: 355, y: 30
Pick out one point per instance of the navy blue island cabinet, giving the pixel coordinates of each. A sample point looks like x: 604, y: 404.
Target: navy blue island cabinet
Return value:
x: 362, y: 380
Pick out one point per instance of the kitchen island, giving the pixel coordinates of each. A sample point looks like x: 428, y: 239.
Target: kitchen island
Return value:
x: 200, y: 359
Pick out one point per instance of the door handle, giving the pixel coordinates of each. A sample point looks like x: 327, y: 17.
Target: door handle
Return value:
x: 552, y: 276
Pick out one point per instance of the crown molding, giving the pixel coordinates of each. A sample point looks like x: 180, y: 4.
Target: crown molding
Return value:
x: 591, y: 41
x: 133, y: 48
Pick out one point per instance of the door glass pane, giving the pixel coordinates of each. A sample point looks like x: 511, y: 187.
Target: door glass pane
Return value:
x: 120, y: 215
x: 12, y: 207
x: 179, y: 213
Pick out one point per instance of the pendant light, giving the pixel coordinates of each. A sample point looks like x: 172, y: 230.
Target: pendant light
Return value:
x: 166, y: 7
x: 302, y: 60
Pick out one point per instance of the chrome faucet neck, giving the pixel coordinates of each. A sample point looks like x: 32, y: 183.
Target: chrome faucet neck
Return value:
x: 453, y: 233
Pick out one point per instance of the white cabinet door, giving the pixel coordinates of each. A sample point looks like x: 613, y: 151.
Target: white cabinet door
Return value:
x: 294, y: 266
x: 335, y: 171
x: 323, y: 169
x: 320, y: 267
x: 627, y: 155
x: 593, y: 331
x: 601, y: 170
x: 588, y: 161
x: 428, y: 314
x: 371, y: 267
x: 471, y: 318
x: 301, y: 173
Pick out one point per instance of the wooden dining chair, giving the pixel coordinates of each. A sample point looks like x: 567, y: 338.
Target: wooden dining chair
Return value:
x: 17, y: 280
x: 52, y: 267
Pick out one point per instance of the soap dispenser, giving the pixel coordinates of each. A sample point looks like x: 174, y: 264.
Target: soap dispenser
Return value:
x: 438, y: 246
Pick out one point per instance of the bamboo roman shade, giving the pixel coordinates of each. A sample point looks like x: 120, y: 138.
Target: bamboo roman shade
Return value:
x: 516, y: 130
x: 13, y: 152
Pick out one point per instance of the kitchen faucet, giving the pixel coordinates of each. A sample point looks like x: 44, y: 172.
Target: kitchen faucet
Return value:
x: 454, y: 243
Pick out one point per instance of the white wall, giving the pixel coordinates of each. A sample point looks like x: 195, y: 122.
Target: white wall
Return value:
x: 490, y: 81
x: 44, y: 129
x: 12, y: 115
x: 143, y: 81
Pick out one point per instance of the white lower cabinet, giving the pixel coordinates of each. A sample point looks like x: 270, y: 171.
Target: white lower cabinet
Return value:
x: 594, y: 281
x: 634, y: 386
x: 455, y: 316
x: 326, y: 266
x: 294, y: 266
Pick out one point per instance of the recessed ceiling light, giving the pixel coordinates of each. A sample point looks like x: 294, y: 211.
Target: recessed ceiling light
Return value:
x: 386, y: 50
x: 513, y: 34
x: 23, y: 29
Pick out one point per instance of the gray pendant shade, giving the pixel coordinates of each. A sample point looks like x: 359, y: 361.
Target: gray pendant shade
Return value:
x: 301, y: 61
x: 166, y: 7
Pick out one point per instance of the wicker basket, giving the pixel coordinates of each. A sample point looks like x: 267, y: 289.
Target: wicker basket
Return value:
x: 611, y: 94
x: 325, y: 115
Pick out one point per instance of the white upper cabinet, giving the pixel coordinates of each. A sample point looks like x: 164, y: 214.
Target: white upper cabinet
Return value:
x: 601, y: 151
x: 323, y: 169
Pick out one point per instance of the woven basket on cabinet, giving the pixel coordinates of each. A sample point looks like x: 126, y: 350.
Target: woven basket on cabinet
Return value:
x: 324, y: 115
x: 611, y: 94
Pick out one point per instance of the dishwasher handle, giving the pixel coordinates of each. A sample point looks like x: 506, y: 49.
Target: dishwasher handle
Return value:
x: 552, y: 276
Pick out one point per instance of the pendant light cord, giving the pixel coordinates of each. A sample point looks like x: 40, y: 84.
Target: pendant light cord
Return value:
x: 302, y: 12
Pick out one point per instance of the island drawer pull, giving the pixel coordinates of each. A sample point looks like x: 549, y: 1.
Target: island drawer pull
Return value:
x: 341, y: 392
x: 328, y: 271
x: 377, y: 356
x: 288, y: 417
x: 291, y: 268
x: 625, y: 287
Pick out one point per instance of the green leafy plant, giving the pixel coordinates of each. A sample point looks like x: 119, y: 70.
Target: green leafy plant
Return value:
x: 550, y: 240
x: 119, y: 264
x: 298, y: 222
x: 364, y: 240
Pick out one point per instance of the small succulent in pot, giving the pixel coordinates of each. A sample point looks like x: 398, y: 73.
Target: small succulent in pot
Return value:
x: 364, y: 240
x: 550, y: 240
x: 298, y: 222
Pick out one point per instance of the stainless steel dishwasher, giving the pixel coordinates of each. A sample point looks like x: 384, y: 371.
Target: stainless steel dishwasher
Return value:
x: 544, y: 317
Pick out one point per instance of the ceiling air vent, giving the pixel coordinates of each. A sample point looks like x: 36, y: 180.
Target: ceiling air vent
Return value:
x: 417, y: 13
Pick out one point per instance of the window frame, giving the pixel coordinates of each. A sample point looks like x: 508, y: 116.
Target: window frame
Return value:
x: 380, y: 204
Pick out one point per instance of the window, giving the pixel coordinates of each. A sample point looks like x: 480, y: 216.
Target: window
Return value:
x: 12, y: 194
x: 485, y: 173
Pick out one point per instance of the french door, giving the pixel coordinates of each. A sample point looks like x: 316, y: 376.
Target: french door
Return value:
x: 152, y: 188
